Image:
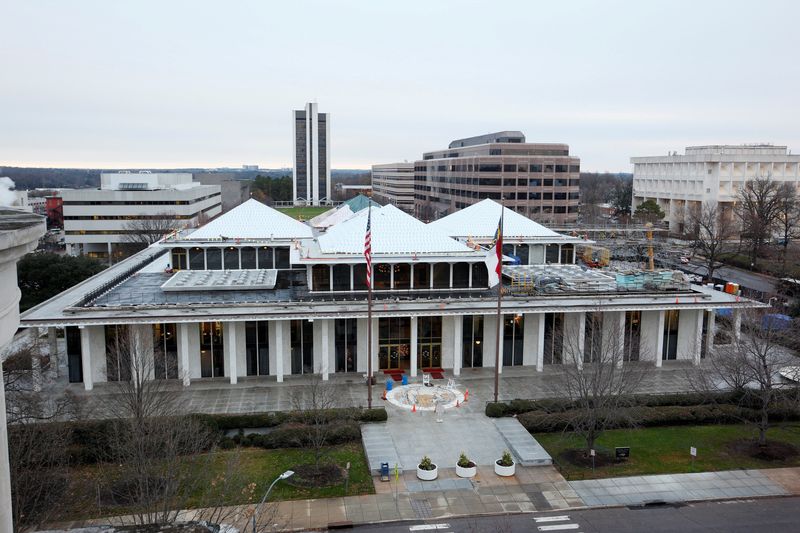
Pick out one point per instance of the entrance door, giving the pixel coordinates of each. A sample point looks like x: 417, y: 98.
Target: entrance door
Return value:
x: 670, y: 348
x: 429, y: 349
x: 394, y: 343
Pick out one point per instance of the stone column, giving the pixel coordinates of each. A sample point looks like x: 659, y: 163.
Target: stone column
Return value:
x: 660, y: 338
x: 540, y: 344
x: 710, y: 331
x: 413, y: 354
x: 183, y: 353
x: 499, y: 353
x: 281, y: 342
x: 458, y: 341
x: 86, y: 358
x: 530, y: 343
x: 324, y: 348
x: 230, y: 335
x: 698, y: 340
x: 361, y: 345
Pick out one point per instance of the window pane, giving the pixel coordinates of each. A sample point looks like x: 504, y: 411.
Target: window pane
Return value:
x: 248, y: 257
x: 265, y: 260
x: 231, y: 258
x: 197, y: 259
x: 214, y: 259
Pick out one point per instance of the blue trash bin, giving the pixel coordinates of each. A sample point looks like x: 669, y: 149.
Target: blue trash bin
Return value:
x: 389, y: 384
x: 405, y: 379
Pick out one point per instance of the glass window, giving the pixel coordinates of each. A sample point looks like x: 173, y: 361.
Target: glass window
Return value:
x: 118, y: 352
x: 178, y: 258
x: 566, y: 254
x: 429, y: 342
x: 472, y: 341
x: 523, y: 252
x: 548, y: 168
x: 213, y: 259
x: 360, y: 277
x: 441, y: 276
x: 302, y: 346
x: 512, y: 340
x: 562, y: 168
x: 321, y: 278
x: 536, y: 168
x: 341, y: 277
x: 394, y: 343
x: 422, y: 276
x: 461, y: 275
x: 633, y: 324
x: 402, y: 276
x: 197, y: 259
x: 257, y: 347
x: 480, y: 275
x: 265, y: 258
x: 523, y: 167
x: 592, y: 337
x: 248, y: 257
x: 381, y: 275
x: 231, y: 257
x: 282, y: 258
x: 551, y: 254
x: 670, y: 346
x: 74, y: 353
x: 165, y: 351
x: 509, y: 168
x: 553, y: 338
x: 345, y: 330
x: 489, y: 168
x: 212, y: 355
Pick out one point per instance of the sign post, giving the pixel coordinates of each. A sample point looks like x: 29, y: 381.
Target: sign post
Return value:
x: 693, y: 453
x: 622, y: 452
x: 592, y: 453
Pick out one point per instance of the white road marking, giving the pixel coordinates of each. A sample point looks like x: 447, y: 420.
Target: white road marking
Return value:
x: 558, y: 527
x: 559, y: 518
x: 428, y: 527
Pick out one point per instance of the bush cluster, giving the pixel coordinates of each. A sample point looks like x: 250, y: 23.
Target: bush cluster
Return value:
x: 295, y: 436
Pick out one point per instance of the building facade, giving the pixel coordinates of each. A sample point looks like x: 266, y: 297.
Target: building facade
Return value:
x: 712, y: 174
x: 98, y: 222
x: 255, y: 295
x: 540, y: 181
x: 311, y: 175
x: 393, y: 184
x: 233, y: 191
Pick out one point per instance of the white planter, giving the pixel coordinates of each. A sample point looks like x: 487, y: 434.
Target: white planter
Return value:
x: 504, y: 471
x: 466, y: 472
x: 427, y: 475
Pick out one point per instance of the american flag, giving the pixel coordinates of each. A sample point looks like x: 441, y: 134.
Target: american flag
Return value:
x: 368, y: 247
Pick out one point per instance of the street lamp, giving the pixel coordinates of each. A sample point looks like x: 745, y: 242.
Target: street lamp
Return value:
x: 285, y: 475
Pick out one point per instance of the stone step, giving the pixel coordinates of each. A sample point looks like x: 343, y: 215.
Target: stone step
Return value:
x: 521, y: 444
x: 379, y: 446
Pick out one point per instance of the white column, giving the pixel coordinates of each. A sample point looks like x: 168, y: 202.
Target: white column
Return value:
x: 361, y: 345
x: 621, y: 340
x: 530, y: 341
x: 499, y: 353
x: 279, y: 348
x: 86, y: 359
x: 660, y: 338
x: 540, y: 345
x: 325, y: 338
x: 413, y: 354
x: 229, y: 333
x: 581, y: 333
x: 458, y: 341
x: 142, y: 345
x: 374, y: 354
x: 710, y: 327
x: 698, y: 341
x: 183, y: 353
x: 52, y: 341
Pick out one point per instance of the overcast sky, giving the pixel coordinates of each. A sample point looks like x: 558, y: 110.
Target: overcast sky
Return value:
x: 208, y: 84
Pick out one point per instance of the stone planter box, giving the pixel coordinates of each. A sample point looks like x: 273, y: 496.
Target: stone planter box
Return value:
x: 504, y: 471
x: 427, y: 475
x: 469, y: 471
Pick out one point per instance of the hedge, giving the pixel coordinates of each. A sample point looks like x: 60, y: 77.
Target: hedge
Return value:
x: 227, y: 422
x: 675, y: 415
x: 296, y: 436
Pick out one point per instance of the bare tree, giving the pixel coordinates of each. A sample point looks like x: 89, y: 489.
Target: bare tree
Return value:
x: 315, y: 401
x: 166, y: 459
x: 596, y: 377
x: 751, y: 365
x: 711, y: 228
x: 788, y: 217
x: 758, y: 207
x: 143, y: 232
x: 38, y: 441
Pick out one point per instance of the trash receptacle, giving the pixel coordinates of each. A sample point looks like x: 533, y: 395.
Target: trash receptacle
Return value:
x: 384, y: 471
x: 405, y: 379
x: 389, y: 384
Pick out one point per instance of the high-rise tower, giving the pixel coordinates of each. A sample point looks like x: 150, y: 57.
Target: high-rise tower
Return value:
x: 311, y: 176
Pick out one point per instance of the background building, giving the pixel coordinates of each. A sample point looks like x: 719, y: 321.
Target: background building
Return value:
x: 540, y: 181
x: 234, y: 190
x: 98, y: 221
x: 706, y: 174
x: 393, y: 183
x: 311, y: 176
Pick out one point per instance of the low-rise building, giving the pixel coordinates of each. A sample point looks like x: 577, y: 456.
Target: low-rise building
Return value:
x: 711, y: 174
x: 256, y: 294
x: 99, y: 222
x: 393, y: 183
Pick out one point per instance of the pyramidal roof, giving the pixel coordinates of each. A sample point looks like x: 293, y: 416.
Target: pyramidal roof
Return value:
x: 480, y: 221
x: 252, y: 220
x: 359, y: 202
x: 331, y: 217
x: 393, y: 233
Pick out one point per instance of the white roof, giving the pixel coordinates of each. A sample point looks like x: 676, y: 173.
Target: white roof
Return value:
x: 332, y: 217
x: 393, y: 233
x: 252, y: 220
x: 480, y: 221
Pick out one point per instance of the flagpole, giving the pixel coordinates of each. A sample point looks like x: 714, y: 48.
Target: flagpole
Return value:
x: 499, y: 302
x: 369, y: 312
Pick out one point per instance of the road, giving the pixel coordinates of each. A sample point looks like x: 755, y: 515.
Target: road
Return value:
x: 745, y: 278
x: 775, y: 515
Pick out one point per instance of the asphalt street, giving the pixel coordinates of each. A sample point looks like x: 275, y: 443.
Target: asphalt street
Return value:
x: 775, y: 515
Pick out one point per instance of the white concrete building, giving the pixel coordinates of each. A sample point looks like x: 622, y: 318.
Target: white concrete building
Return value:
x: 96, y: 221
x: 19, y: 234
x: 707, y: 174
x: 311, y: 175
x: 258, y: 295
x: 393, y: 183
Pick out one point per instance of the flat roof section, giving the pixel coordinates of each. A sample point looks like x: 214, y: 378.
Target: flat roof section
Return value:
x: 221, y: 280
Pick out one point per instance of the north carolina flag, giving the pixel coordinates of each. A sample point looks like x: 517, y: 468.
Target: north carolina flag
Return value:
x: 494, y: 258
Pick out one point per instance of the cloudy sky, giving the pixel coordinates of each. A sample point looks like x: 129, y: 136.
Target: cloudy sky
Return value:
x: 202, y: 83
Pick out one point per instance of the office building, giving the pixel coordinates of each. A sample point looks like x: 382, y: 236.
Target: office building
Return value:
x: 234, y: 191
x: 393, y: 184
x: 256, y: 295
x: 101, y: 222
x: 311, y: 176
x: 713, y: 174
x: 537, y: 180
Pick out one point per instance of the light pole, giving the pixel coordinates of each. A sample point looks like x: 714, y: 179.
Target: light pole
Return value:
x: 285, y: 475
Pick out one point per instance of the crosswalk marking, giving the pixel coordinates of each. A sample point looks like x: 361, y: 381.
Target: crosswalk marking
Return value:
x: 558, y: 518
x: 428, y: 527
x: 558, y: 527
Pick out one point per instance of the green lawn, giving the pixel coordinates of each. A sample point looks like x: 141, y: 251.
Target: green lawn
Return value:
x: 304, y: 212
x: 665, y: 450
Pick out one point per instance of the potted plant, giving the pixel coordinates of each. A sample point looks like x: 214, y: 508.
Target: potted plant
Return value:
x: 505, y: 465
x: 465, y: 467
x: 426, y: 470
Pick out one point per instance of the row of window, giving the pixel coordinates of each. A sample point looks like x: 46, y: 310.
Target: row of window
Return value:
x: 230, y: 258
x: 498, y: 182
x: 501, y: 167
x: 141, y: 202
x: 402, y: 276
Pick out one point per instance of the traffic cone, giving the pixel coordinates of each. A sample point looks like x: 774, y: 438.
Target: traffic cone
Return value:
x: 676, y: 301
x: 457, y: 404
x: 414, y: 408
x: 383, y: 396
x: 466, y: 395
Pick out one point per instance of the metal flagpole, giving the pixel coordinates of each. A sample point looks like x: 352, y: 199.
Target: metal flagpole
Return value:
x: 368, y: 256
x: 499, y: 246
